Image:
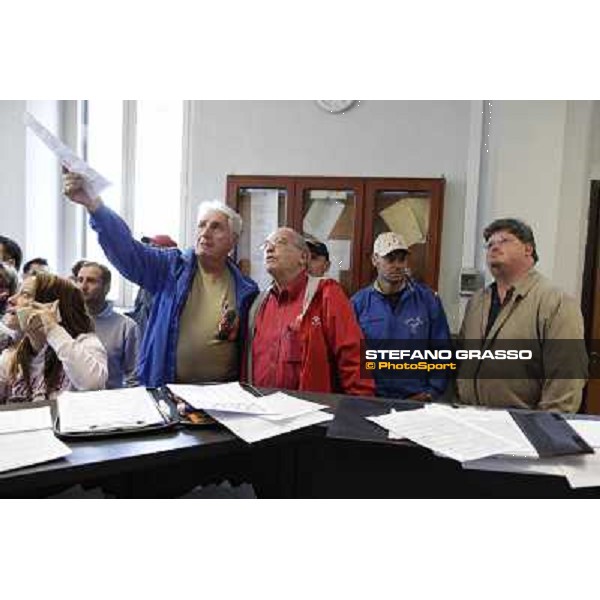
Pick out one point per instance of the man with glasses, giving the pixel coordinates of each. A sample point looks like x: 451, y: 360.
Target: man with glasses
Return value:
x: 521, y: 310
x: 302, y: 330
x: 195, y: 330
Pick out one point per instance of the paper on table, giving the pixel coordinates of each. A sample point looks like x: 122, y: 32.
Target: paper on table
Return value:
x: 252, y: 428
x: 517, y: 464
x: 322, y: 217
x: 105, y: 409
x: 27, y: 419
x: 588, y: 429
x: 94, y: 183
x: 501, y: 424
x: 446, y: 435
x: 29, y: 448
x: 287, y: 406
x: 226, y: 397
x: 582, y: 470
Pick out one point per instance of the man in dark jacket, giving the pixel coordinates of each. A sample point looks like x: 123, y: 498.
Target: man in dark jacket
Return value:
x: 195, y: 330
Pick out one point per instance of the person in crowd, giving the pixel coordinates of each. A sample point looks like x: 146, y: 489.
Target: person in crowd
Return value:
x: 118, y: 333
x: 9, y: 281
x: 35, y: 265
x: 318, y: 264
x: 397, y: 307
x: 522, y: 308
x: 142, y: 305
x: 302, y: 330
x: 10, y: 252
x: 58, y: 349
x: 201, y: 300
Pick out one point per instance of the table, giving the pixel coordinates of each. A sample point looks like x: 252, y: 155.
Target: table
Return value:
x: 303, y: 464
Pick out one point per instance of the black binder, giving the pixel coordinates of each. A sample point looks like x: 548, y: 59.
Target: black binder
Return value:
x: 350, y: 421
x: 550, y: 434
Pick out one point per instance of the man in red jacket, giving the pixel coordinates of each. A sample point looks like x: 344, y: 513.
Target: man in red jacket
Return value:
x: 302, y: 330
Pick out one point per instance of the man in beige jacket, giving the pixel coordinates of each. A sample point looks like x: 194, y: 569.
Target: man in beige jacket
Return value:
x: 521, y: 309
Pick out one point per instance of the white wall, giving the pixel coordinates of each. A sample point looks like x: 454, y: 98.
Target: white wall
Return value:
x: 538, y: 170
x: 542, y: 155
x: 12, y: 170
x: 375, y: 139
x: 42, y: 188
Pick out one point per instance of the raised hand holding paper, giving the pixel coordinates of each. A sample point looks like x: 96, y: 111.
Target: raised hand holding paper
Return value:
x: 94, y: 183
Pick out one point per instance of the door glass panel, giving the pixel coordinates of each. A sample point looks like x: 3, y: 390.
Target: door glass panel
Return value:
x: 263, y: 210
x: 328, y: 217
x: 406, y: 213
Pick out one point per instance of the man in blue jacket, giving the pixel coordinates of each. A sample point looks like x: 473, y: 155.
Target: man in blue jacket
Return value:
x: 201, y: 300
x: 396, y: 307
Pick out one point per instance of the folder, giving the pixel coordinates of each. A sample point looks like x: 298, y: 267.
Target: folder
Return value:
x: 550, y: 434
x: 350, y: 421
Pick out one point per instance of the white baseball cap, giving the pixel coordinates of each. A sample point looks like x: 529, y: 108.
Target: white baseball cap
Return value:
x: 388, y: 242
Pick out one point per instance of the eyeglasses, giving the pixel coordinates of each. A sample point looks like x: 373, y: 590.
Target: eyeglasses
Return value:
x: 277, y: 242
x: 498, y: 241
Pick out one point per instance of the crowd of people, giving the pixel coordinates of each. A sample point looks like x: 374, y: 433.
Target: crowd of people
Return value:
x: 199, y: 317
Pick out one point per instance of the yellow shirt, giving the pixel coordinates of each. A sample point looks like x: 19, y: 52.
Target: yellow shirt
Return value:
x: 201, y: 355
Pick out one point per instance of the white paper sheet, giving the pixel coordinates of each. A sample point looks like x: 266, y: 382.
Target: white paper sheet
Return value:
x: 589, y: 430
x: 501, y: 424
x: 252, y: 428
x: 287, y: 407
x: 512, y: 464
x: 94, y: 183
x: 321, y: 218
x: 582, y: 470
x: 225, y: 397
x: 29, y: 448
x: 105, y: 409
x: 446, y: 435
x: 28, y: 419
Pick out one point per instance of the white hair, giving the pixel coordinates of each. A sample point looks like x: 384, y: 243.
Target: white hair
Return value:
x: 235, y: 221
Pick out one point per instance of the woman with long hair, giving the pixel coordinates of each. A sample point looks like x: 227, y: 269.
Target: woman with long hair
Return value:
x: 58, y: 349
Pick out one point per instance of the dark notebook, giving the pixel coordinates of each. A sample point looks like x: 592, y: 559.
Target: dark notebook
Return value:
x: 550, y: 434
x: 350, y: 421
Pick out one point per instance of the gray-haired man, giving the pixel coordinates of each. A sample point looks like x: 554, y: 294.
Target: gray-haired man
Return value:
x: 201, y: 300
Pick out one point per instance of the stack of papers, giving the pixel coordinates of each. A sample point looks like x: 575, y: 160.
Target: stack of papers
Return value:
x: 26, y: 438
x: 107, y: 409
x: 445, y: 433
x: 249, y: 417
x: 226, y: 397
x: 491, y: 440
